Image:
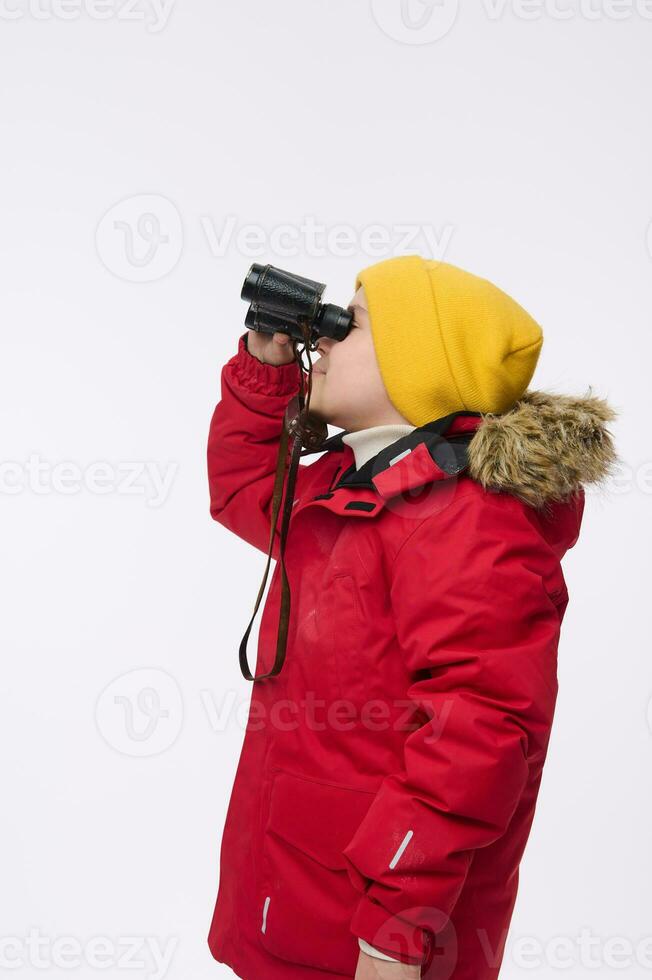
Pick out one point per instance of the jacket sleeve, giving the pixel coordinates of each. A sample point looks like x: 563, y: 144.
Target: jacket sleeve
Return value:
x: 243, y: 444
x: 478, y: 633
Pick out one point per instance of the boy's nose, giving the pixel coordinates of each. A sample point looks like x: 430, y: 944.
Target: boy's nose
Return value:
x: 325, y: 344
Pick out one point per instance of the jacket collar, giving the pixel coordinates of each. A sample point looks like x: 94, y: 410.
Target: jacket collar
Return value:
x: 544, y: 449
x: 434, y: 451
x: 441, y: 426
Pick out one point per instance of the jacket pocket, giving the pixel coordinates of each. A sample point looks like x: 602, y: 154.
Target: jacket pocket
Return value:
x: 341, y: 628
x: 306, y: 897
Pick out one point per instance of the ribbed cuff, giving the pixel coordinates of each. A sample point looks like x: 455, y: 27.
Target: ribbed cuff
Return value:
x: 389, y: 933
x: 272, y: 379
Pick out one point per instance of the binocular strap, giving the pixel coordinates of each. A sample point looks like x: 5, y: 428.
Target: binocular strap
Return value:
x: 284, y: 615
x: 301, y: 429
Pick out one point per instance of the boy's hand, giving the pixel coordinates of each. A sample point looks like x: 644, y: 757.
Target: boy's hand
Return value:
x: 372, y: 968
x: 273, y: 348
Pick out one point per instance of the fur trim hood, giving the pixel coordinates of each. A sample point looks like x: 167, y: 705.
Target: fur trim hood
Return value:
x: 545, y: 448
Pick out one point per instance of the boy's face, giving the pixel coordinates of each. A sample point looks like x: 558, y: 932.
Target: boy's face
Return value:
x: 347, y: 386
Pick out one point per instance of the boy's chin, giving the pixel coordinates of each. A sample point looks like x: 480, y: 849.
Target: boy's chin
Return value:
x: 317, y: 413
x: 321, y: 412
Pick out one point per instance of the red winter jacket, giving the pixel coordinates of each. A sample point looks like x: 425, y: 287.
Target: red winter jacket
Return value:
x: 388, y: 776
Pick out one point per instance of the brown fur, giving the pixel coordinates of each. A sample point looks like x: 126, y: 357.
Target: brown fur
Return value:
x: 545, y: 447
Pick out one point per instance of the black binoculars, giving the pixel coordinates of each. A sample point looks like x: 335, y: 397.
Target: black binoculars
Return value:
x: 282, y: 302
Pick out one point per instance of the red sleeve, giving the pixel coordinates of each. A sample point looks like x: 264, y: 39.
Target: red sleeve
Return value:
x: 479, y: 635
x: 243, y: 444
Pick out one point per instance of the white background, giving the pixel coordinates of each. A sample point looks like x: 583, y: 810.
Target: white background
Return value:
x: 517, y: 139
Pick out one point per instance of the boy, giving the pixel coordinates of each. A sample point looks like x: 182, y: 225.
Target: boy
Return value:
x: 387, y: 783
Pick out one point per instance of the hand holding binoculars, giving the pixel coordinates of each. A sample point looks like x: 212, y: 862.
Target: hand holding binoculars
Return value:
x: 282, y: 302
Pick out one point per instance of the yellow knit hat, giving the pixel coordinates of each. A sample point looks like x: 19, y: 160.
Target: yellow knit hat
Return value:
x: 447, y: 340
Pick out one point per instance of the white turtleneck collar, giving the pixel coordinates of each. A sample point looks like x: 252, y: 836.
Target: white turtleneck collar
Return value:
x: 365, y: 443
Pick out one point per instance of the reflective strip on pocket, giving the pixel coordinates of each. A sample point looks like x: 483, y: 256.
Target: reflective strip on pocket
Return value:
x: 404, y: 843
x: 265, y: 907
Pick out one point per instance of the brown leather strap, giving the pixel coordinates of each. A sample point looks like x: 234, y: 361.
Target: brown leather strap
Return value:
x: 299, y: 430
